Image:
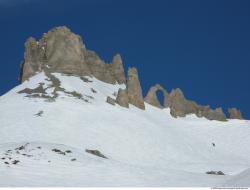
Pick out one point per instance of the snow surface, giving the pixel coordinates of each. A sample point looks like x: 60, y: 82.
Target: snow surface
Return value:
x: 144, y: 148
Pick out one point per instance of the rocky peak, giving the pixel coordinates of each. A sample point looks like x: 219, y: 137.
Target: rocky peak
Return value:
x: 179, y: 105
x: 60, y: 50
x: 32, y: 59
x: 118, y: 70
x: 134, y: 89
x: 64, y: 51
x: 176, y: 93
x: 234, y: 113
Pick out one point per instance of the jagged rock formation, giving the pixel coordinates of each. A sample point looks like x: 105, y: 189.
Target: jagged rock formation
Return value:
x: 122, y: 98
x: 152, y: 99
x: 118, y: 70
x: 32, y: 59
x: 210, y: 114
x: 62, y: 51
x: 134, y: 89
x: 234, y: 113
x: 180, y: 106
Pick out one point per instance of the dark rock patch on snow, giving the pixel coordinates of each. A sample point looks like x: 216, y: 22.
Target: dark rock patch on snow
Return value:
x: 215, y: 173
x: 96, y: 153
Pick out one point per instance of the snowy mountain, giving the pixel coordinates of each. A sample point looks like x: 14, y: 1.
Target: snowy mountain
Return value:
x: 61, y: 129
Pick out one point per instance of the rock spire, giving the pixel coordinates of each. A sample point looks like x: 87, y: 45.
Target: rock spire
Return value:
x: 134, y: 89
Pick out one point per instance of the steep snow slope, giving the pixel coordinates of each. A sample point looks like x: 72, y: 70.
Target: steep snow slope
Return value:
x: 144, y: 148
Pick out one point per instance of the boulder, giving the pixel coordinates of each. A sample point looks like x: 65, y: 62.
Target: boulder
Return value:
x: 110, y: 100
x: 234, y: 113
x: 134, y: 89
x: 96, y: 153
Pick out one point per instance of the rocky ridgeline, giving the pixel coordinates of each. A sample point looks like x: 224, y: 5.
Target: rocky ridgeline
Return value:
x: 62, y: 51
x: 180, y: 106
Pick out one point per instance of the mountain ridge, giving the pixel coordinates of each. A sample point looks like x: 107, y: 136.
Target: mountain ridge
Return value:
x: 60, y: 50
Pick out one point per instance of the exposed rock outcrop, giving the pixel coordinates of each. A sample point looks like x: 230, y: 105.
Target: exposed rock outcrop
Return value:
x: 32, y: 56
x: 96, y: 153
x: 134, y: 89
x: 122, y: 98
x: 216, y: 114
x: 62, y: 51
x: 110, y: 100
x: 234, y: 113
x: 179, y: 105
x: 117, y: 69
x: 152, y: 99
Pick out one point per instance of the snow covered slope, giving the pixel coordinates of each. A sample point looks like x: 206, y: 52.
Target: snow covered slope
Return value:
x: 144, y: 148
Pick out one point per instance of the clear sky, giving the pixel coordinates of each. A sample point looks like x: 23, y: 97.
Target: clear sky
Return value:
x: 202, y: 47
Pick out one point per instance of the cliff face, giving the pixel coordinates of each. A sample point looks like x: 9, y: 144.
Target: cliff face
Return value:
x: 62, y: 51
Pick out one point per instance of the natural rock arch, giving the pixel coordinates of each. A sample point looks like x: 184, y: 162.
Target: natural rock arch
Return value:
x: 152, y: 98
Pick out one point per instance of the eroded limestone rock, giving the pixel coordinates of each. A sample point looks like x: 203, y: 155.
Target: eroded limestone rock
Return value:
x: 180, y: 107
x: 152, y: 99
x: 64, y: 51
x: 60, y: 50
x: 134, y: 89
x: 216, y: 114
x: 118, y: 70
x: 32, y: 62
x: 234, y: 113
x: 122, y: 98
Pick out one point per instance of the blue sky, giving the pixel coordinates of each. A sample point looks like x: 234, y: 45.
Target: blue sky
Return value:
x: 202, y: 47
